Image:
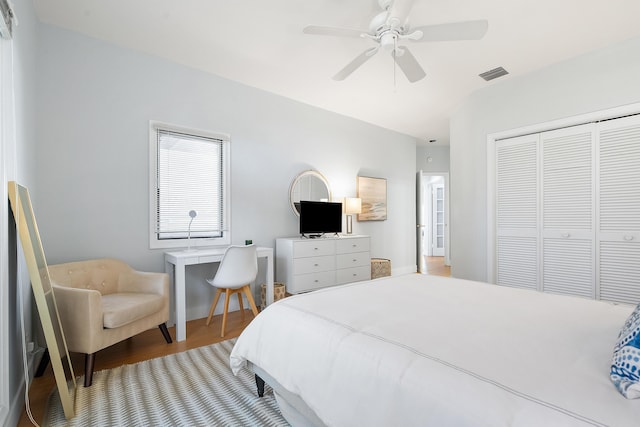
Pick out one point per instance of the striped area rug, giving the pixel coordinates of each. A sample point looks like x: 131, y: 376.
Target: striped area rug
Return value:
x: 192, y: 388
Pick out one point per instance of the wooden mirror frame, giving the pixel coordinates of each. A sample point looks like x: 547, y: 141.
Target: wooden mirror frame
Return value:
x: 44, y: 295
x: 309, y: 174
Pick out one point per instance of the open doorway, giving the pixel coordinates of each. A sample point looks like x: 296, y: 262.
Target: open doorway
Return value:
x: 432, y: 220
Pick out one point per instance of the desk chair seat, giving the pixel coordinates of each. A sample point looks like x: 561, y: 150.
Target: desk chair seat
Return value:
x: 238, y: 268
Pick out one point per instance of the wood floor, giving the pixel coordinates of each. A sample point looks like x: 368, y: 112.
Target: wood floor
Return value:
x: 144, y: 346
x: 435, y: 266
x: 150, y: 344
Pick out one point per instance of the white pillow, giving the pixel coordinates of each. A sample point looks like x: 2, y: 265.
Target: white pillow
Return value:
x: 625, y: 366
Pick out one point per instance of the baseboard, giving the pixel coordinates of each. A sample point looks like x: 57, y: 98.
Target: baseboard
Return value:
x: 17, y: 401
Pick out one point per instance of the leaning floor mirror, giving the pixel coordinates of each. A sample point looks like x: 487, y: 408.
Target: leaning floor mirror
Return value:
x: 44, y: 296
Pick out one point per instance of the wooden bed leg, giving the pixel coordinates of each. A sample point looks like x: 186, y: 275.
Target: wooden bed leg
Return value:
x: 260, y: 385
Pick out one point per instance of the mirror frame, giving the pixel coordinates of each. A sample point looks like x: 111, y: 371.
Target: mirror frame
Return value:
x: 298, y: 178
x: 44, y: 295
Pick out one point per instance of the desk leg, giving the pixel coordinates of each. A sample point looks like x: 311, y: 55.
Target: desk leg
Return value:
x: 181, y: 307
x: 169, y: 269
x: 270, y: 287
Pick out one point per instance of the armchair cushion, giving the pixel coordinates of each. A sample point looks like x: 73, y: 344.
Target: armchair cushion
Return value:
x: 123, y: 308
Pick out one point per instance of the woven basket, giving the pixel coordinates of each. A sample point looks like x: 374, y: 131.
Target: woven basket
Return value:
x: 279, y: 292
x: 380, y: 267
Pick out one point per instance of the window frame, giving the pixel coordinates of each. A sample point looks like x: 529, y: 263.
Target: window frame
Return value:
x: 154, y: 241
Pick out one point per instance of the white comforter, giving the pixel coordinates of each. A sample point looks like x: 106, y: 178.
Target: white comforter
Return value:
x: 432, y: 351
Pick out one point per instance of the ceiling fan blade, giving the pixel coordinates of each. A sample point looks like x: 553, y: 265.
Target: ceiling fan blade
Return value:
x: 465, y: 30
x: 409, y: 65
x: 355, y: 64
x: 333, y: 31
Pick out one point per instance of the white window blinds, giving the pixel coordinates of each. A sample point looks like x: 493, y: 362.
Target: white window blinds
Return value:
x: 190, y: 176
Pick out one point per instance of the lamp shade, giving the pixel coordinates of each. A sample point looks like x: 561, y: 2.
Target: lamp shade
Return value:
x: 352, y: 205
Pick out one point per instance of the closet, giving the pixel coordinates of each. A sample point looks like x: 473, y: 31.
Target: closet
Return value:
x: 567, y: 210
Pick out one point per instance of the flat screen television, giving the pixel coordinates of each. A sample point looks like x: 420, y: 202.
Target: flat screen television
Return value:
x: 318, y: 218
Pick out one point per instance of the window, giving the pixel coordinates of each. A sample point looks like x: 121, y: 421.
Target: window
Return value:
x: 189, y: 172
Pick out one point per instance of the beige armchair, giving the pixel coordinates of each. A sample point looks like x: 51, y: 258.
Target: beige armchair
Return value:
x: 104, y: 301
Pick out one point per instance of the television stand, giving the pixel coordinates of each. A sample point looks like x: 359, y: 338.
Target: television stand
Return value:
x: 305, y: 264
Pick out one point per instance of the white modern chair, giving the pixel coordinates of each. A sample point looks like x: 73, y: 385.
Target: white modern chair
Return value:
x: 238, y: 268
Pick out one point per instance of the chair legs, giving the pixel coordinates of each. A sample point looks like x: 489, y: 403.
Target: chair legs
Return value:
x: 89, y: 361
x: 213, y: 305
x: 227, y: 296
x: 165, y: 333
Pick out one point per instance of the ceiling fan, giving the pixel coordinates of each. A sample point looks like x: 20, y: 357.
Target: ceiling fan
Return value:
x: 390, y: 27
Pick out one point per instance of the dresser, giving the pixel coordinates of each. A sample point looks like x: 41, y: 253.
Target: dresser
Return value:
x: 309, y: 264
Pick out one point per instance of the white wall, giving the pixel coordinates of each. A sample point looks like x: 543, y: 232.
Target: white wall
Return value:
x: 603, y: 79
x: 19, y: 166
x: 439, y: 155
x: 95, y: 101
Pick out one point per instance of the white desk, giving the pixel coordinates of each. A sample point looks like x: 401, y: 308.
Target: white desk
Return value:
x: 175, y: 263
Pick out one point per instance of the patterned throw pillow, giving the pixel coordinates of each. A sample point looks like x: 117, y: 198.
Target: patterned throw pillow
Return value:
x: 625, y: 366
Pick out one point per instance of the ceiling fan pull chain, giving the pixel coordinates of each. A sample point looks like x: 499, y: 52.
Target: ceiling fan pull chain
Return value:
x: 395, y: 64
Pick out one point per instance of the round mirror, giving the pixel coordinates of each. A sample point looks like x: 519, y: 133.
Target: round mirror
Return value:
x: 308, y: 185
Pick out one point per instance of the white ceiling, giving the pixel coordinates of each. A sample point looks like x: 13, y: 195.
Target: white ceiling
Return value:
x: 260, y: 43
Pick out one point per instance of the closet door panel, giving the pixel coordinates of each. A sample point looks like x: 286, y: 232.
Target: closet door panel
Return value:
x: 619, y: 175
x: 619, y: 210
x: 567, y: 179
x: 517, y: 212
x: 518, y: 262
x: 620, y: 271
x: 568, y: 200
x: 568, y: 267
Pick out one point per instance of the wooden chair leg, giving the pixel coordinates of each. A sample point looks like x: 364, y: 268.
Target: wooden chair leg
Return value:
x: 241, y: 304
x: 165, y: 333
x: 89, y: 361
x: 213, y: 305
x: 247, y: 292
x: 227, y: 295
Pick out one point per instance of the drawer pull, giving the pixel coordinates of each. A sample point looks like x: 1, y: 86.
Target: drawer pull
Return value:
x: 355, y: 260
x: 316, y: 281
x: 628, y: 238
x: 565, y: 235
x: 315, y: 265
x: 355, y: 275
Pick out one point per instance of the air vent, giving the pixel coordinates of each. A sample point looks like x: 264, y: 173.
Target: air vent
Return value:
x: 494, y: 74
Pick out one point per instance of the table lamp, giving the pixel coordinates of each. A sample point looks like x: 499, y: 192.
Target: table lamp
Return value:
x: 352, y: 205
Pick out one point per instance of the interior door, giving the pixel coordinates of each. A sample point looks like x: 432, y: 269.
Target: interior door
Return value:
x: 438, y: 222
x: 421, y: 262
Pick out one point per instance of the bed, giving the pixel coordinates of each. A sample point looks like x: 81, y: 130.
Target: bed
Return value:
x: 435, y: 351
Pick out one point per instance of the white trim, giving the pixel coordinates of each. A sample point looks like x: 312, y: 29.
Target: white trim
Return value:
x: 225, y: 240
x: 447, y: 234
x: 7, y: 172
x: 611, y: 113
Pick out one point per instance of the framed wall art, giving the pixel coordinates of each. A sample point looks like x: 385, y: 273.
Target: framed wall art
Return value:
x: 373, y: 192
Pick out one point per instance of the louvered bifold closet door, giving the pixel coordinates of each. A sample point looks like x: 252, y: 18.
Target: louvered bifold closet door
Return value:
x: 619, y: 210
x: 568, y: 211
x: 516, y: 212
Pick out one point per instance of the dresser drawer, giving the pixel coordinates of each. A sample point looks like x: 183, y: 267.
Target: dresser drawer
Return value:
x: 355, y: 274
x: 312, y: 281
x: 345, y: 246
x: 357, y: 259
x: 314, y: 264
x: 309, y: 248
